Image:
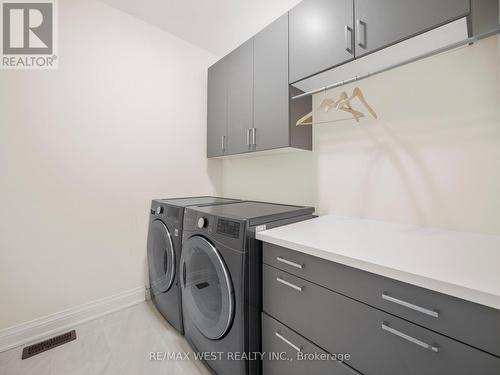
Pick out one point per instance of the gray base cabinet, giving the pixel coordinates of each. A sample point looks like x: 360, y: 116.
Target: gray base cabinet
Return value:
x: 436, y: 311
x: 287, y: 353
x: 387, y: 327
x: 380, y: 23
x: 321, y: 36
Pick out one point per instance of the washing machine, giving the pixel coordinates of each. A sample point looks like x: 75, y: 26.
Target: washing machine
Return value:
x: 164, y: 252
x: 221, y: 280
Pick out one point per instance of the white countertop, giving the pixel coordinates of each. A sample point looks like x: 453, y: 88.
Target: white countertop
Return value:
x: 464, y: 265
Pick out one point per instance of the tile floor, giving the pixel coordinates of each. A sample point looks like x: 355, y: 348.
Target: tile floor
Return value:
x: 119, y: 343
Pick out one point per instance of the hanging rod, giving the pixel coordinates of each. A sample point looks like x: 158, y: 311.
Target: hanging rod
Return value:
x: 404, y: 62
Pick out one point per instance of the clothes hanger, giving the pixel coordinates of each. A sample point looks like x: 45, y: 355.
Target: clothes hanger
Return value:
x: 327, y: 104
x: 356, y: 115
x: 344, y: 105
x: 357, y: 93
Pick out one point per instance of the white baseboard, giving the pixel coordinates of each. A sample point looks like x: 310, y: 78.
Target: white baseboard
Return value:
x: 64, y: 320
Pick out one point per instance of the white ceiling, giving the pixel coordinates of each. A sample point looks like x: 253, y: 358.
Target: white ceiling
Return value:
x: 215, y: 25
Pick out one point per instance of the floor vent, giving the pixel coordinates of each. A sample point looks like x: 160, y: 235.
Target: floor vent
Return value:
x: 51, y: 343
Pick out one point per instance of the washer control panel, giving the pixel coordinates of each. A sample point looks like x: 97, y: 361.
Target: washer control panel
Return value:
x: 202, y: 222
x: 221, y: 230
x: 228, y: 228
x: 157, y: 211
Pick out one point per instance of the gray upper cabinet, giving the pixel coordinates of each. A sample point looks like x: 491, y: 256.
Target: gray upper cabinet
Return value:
x: 321, y: 36
x: 380, y: 23
x: 271, y: 96
x: 239, y: 98
x: 249, y: 92
x: 249, y: 105
x: 216, y: 109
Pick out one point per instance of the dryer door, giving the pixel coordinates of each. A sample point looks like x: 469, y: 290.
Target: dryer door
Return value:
x: 207, y: 290
x: 161, y: 257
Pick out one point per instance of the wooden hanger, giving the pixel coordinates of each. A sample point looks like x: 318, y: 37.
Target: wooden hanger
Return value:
x: 357, y: 93
x: 344, y: 105
x: 327, y: 104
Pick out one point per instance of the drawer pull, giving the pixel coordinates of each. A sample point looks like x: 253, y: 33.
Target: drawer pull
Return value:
x: 297, y: 348
x: 409, y: 305
x: 290, y: 263
x: 424, y: 345
x: 293, y: 286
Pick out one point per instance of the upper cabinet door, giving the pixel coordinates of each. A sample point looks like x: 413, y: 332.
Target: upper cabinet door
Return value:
x: 380, y: 23
x: 271, y: 86
x: 217, y: 109
x: 240, y: 98
x: 321, y: 36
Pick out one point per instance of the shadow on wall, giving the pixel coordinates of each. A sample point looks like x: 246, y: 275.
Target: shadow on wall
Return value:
x: 431, y: 158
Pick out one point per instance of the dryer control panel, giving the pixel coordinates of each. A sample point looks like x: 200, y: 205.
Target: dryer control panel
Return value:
x: 224, y: 230
x: 228, y: 227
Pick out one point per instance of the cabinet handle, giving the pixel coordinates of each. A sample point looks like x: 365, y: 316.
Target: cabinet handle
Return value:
x: 254, y: 136
x: 223, y: 142
x: 289, y: 262
x: 361, y: 35
x: 411, y: 339
x: 293, y: 286
x: 248, y: 137
x: 348, y: 39
x: 286, y: 341
x: 433, y: 313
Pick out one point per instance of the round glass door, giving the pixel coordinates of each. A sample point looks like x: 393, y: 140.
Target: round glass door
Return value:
x: 207, y: 291
x: 161, y: 257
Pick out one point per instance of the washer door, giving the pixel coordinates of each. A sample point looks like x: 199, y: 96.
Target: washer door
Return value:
x: 161, y: 257
x: 207, y: 290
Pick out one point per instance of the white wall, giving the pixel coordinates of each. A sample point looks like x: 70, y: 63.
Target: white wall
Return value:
x: 432, y: 157
x: 84, y: 148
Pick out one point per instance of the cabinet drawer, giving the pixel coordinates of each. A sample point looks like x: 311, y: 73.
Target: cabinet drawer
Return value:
x: 474, y: 324
x: 378, y: 343
x: 281, y: 347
